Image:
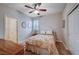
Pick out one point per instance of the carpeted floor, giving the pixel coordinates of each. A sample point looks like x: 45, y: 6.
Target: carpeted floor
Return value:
x: 61, y: 49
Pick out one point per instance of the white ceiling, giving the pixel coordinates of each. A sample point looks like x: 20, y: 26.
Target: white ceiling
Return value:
x: 51, y: 8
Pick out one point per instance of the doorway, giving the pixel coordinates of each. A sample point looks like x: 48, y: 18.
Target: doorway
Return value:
x: 11, y: 29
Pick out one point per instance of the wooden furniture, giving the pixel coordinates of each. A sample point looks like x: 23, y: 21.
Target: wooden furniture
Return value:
x: 10, y: 48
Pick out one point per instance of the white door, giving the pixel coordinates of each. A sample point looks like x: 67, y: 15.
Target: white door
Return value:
x: 73, y: 26
x: 11, y: 32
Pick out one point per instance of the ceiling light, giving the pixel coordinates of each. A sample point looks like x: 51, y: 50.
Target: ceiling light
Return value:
x: 36, y: 12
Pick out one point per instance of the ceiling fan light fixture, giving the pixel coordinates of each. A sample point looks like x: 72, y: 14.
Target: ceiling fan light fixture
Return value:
x: 36, y: 11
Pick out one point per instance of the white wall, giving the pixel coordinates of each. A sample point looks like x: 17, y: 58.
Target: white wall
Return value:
x: 52, y: 22
x: 4, y: 10
x: 74, y: 31
x: 24, y: 33
x: 67, y: 9
x: 71, y: 37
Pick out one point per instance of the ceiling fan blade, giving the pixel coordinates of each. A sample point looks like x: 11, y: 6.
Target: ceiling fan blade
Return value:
x: 35, y: 6
x: 31, y: 11
x: 42, y: 10
x: 28, y: 6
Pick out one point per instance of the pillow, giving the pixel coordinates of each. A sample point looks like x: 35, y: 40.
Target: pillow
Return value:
x: 48, y: 32
x: 42, y: 32
x: 51, y: 32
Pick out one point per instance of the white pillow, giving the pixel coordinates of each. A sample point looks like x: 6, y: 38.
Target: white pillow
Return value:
x: 48, y: 32
x: 42, y: 32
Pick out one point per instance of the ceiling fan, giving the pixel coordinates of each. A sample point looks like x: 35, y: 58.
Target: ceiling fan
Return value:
x: 35, y: 9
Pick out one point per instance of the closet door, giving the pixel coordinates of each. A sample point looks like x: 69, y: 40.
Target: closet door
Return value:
x: 73, y: 27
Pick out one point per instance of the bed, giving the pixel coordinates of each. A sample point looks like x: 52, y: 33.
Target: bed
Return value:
x: 41, y: 44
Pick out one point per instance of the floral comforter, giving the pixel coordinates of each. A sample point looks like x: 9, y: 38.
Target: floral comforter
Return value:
x: 42, y: 41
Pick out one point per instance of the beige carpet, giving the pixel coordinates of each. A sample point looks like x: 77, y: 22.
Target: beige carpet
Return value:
x: 61, y: 48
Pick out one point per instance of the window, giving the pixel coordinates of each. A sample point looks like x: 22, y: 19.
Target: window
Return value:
x: 35, y: 25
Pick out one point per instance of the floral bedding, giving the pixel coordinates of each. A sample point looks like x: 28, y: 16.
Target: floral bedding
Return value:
x: 42, y: 41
